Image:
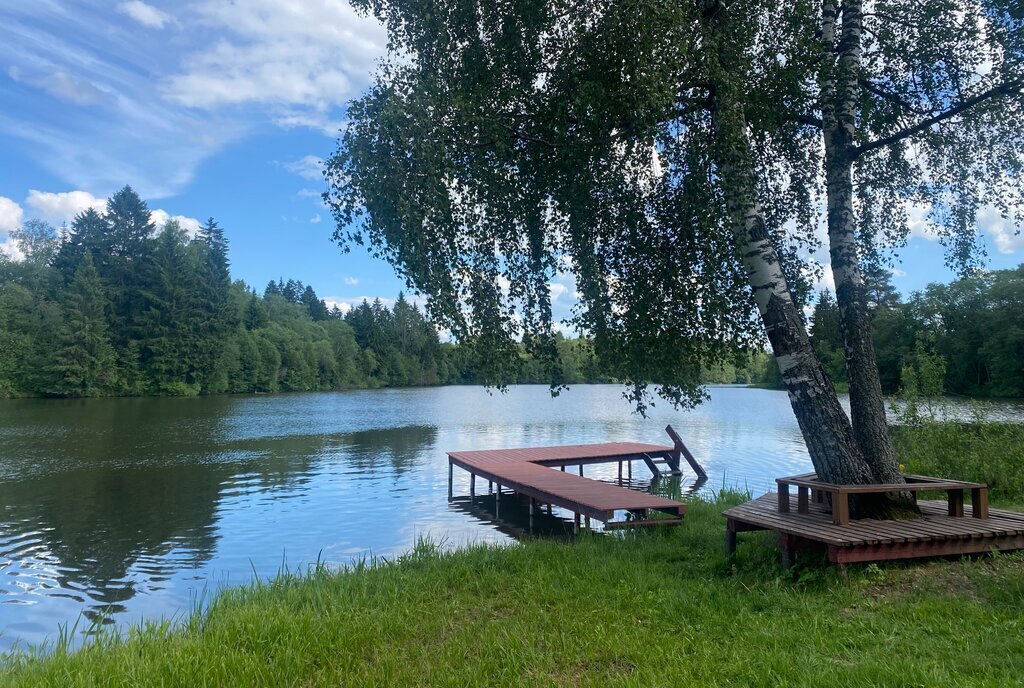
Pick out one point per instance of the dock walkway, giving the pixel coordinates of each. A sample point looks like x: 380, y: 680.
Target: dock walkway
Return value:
x: 532, y: 472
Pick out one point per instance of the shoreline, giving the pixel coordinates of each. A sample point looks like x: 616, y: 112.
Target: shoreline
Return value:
x: 653, y: 608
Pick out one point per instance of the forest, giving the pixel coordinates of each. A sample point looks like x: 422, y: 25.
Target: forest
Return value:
x: 116, y: 306
x: 971, y: 328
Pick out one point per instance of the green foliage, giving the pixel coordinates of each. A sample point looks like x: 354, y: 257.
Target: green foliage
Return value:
x: 826, y: 338
x: 84, y: 362
x: 982, y: 451
x: 965, y: 337
x: 120, y: 307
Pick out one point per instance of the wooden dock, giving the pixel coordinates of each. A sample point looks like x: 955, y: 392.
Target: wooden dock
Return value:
x: 938, y: 533
x: 534, y: 473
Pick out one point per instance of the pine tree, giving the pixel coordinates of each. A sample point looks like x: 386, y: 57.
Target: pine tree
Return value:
x: 85, y: 361
x: 826, y: 337
x: 216, y: 318
x: 317, y: 309
x: 88, y: 235
x: 130, y: 224
x: 172, y: 315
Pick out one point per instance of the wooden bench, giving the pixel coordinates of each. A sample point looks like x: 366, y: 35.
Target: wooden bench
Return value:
x: 808, y: 485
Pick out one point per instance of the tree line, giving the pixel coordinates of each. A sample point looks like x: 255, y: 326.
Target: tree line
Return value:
x: 975, y: 325
x: 114, y: 305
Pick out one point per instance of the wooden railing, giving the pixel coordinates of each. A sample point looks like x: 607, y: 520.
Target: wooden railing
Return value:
x: 809, y: 486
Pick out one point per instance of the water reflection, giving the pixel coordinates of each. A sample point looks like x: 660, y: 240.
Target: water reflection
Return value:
x: 511, y: 515
x: 134, y: 508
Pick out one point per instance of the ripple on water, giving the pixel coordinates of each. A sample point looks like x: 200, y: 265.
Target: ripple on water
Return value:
x: 113, y: 510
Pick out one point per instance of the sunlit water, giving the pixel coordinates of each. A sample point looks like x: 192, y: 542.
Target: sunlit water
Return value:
x: 125, y: 509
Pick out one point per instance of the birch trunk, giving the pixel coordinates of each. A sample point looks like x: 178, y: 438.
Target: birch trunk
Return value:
x: 825, y: 427
x: 840, y: 92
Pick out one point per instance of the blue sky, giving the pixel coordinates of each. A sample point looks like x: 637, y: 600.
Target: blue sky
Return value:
x: 222, y: 108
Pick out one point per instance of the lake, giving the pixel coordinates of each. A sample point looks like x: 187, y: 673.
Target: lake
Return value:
x: 114, y: 510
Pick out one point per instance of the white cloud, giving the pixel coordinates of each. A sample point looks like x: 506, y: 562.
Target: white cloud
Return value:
x: 127, y: 134
x: 350, y: 281
x: 308, y: 167
x: 896, y: 272
x: 347, y: 303
x: 148, y: 108
x: 63, y: 86
x: 62, y: 207
x: 11, y: 215
x: 316, y: 219
x: 9, y: 249
x: 917, y: 222
x: 189, y: 224
x: 1007, y: 238
x: 147, y: 15
x: 320, y: 121
x: 826, y: 281
x: 305, y: 57
x: 57, y: 208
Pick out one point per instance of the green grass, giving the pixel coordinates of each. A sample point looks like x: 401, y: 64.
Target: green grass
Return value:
x: 658, y: 608
x: 984, y: 452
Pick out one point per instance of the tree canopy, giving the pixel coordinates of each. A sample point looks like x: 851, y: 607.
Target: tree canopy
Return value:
x: 505, y: 144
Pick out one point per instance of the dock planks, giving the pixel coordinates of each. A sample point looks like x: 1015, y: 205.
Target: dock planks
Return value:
x: 531, y: 472
x: 861, y: 540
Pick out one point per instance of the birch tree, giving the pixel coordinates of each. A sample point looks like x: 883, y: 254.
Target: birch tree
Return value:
x: 667, y: 156
x: 920, y: 105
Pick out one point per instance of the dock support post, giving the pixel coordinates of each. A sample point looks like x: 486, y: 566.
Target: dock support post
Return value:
x: 563, y: 469
x: 575, y: 523
x: 581, y: 470
x: 629, y: 467
x: 531, y: 513
x: 786, y: 544
x: 450, y: 469
x: 730, y: 539
x: 490, y: 487
x: 472, y: 487
x: 497, y: 501
x: 620, y: 471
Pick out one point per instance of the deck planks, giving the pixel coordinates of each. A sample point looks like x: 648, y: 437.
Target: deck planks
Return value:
x: 530, y: 471
x: 935, y: 534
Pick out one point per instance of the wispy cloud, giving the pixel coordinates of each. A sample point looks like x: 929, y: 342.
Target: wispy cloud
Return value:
x: 147, y: 107
x: 304, y: 57
x: 308, y: 167
x: 147, y: 15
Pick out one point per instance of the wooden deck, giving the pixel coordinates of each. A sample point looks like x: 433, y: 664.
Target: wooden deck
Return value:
x: 936, y: 534
x: 534, y: 472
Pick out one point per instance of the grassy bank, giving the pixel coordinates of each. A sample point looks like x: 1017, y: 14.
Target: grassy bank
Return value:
x: 985, y: 452
x: 654, y: 609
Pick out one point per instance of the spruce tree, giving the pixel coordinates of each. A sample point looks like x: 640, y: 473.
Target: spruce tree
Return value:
x: 84, y: 361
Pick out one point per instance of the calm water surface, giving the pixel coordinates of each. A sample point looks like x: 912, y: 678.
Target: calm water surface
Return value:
x: 115, y: 510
